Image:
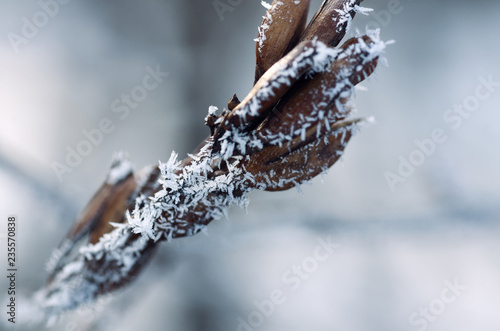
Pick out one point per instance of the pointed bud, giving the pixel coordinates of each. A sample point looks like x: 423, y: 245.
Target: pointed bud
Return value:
x: 279, y: 32
x: 321, y: 101
x: 331, y: 21
x: 305, y: 58
x: 304, y: 135
x: 231, y: 104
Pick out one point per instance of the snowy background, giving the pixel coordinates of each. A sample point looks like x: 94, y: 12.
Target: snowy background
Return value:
x: 398, y: 249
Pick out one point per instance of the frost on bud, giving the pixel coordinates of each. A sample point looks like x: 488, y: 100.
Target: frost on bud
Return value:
x: 304, y: 133
x: 292, y: 167
x: 290, y: 127
x: 322, y: 99
x: 331, y: 22
x: 276, y: 82
x: 107, y: 206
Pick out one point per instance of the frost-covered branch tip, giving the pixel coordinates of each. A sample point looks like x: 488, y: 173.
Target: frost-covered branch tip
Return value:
x: 291, y: 127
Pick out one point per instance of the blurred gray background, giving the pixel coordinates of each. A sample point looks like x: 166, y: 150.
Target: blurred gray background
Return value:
x: 399, y: 249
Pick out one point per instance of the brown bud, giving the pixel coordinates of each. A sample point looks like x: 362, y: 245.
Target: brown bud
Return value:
x: 270, y: 88
x: 115, y: 207
x: 231, y: 104
x: 294, y: 167
x: 330, y: 23
x: 279, y: 32
x: 320, y: 101
x: 305, y: 134
x: 107, y: 205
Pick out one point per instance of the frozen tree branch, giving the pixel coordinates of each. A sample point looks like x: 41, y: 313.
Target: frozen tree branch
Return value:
x: 288, y: 129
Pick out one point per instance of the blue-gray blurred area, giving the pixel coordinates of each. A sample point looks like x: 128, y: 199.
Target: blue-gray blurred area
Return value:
x: 416, y: 227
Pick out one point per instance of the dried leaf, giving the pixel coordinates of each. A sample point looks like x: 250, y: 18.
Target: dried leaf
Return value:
x: 331, y: 21
x: 279, y: 32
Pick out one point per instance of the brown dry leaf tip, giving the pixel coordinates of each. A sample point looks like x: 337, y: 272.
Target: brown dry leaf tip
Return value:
x: 283, y: 27
x: 288, y: 129
x: 308, y: 121
x: 324, y: 97
x: 279, y: 32
x: 305, y: 58
x: 311, y: 98
x: 286, y: 170
x: 333, y: 20
x: 233, y: 102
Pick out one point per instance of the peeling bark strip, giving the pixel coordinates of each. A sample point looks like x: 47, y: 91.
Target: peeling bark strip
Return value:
x: 288, y: 129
